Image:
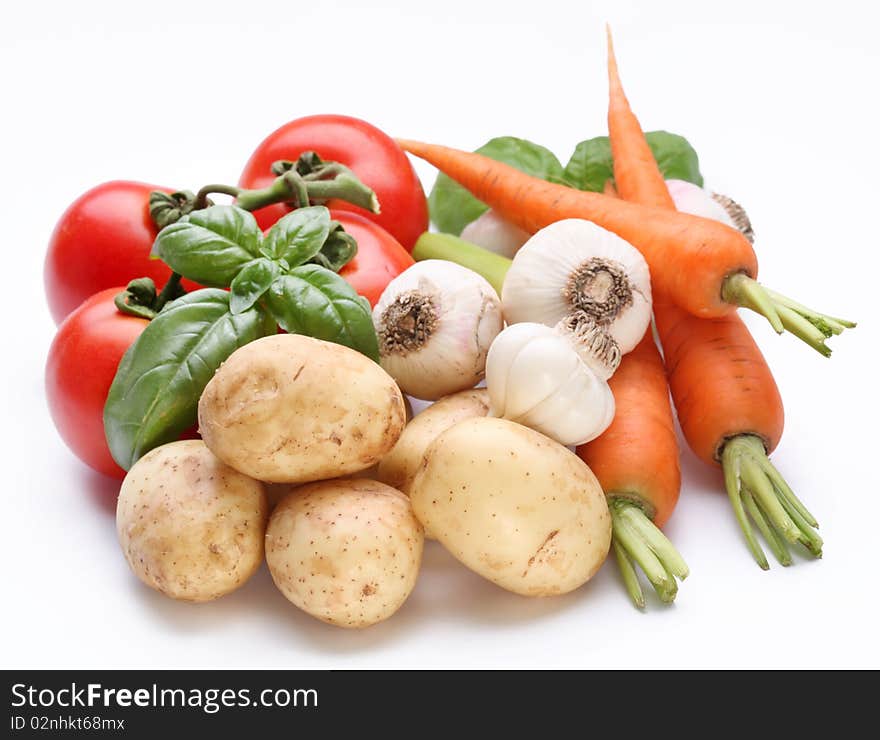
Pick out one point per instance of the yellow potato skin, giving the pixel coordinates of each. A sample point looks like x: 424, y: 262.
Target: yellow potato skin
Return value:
x: 190, y: 526
x: 345, y: 551
x: 514, y: 506
x: 399, y: 467
x: 293, y: 409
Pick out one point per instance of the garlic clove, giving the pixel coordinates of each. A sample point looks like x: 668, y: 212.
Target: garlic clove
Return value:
x: 491, y: 231
x: 584, y: 391
x: 503, y: 351
x: 574, y: 265
x: 537, y: 376
x: 535, y: 373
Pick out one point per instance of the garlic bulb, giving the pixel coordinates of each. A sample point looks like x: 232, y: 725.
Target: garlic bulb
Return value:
x: 537, y: 376
x: 576, y: 266
x: 435, y: 322
x: 691, y: 198
x: 496, y: 234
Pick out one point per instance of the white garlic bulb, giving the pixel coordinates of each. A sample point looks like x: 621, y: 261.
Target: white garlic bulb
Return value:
x: 690, y: 198
x: 572, y: 266
x: 537, y: 376
x: 435, y: 322
x: 496, y: 234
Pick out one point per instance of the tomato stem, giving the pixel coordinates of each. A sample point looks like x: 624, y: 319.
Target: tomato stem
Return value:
x: 168, y: 208
x: 170, y: 291
x: 141, y: 299
x: 293, y: 188
x: 201, y: 200
x: 308, y: 180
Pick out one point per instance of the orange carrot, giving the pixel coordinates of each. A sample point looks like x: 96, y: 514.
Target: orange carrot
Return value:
x: 703, y: 266
x: 719, y: 380
x: 691, y: 258
x: 637, y: 456
x: 636, y: 461
x: 636, y: 174
x: 728, y: 405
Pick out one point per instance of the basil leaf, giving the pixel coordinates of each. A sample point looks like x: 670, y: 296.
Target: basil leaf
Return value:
x: 298, y: 236
x: 452, y: 207
x: 591, y: 165
x: 155, y: 394
x: 314, y: 301
x: 249, y: 285
x: 339, y: 249
x: 210, y: 246
x: 675, y: 156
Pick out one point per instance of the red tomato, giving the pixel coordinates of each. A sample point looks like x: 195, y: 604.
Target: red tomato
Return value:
x: 371, y: 154
x: 379, y: 258
x: 102, y: 240
x: 82, y: 362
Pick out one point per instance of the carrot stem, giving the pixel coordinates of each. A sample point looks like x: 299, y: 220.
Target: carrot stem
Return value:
x: 491, y: 266
x: 828, y: 325
x: 741, y: 290
x: 777, y: 544
x: 783, y: 313
x: 656, y: 540
x: 629, y: 575
x: 761, y: 488
x: 752, y: 480
x: 808, y: 538
x: 796, y: 324
x: 730, y: 466
x: 784, y: 489
x: 640, y: 540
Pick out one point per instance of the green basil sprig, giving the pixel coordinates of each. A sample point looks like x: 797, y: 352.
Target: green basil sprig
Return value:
x: 287, y: 278
x: 155, y: 394
x: 294, y: 265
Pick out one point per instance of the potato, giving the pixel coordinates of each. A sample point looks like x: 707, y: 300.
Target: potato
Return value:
x: 190, y: 526
x: 398, y: 467
x: 292, y: 409
x: 346, y: 551
x: 514, y: 506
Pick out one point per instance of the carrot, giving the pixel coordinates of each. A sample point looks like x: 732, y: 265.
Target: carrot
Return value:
x: 731, y: 413
x: 637, y: 177
x: 691, y: 258
x: 728, y: 404
x: 636, y: 461
x: 720, y: 382
x: 703, y: 266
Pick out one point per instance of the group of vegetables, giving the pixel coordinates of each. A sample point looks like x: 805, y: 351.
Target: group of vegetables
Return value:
x: 246, y: 367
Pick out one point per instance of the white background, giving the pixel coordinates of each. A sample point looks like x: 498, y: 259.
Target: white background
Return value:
x: 780, y: 100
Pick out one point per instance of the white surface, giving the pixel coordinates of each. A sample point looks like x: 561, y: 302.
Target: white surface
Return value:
x: 781, y: 105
